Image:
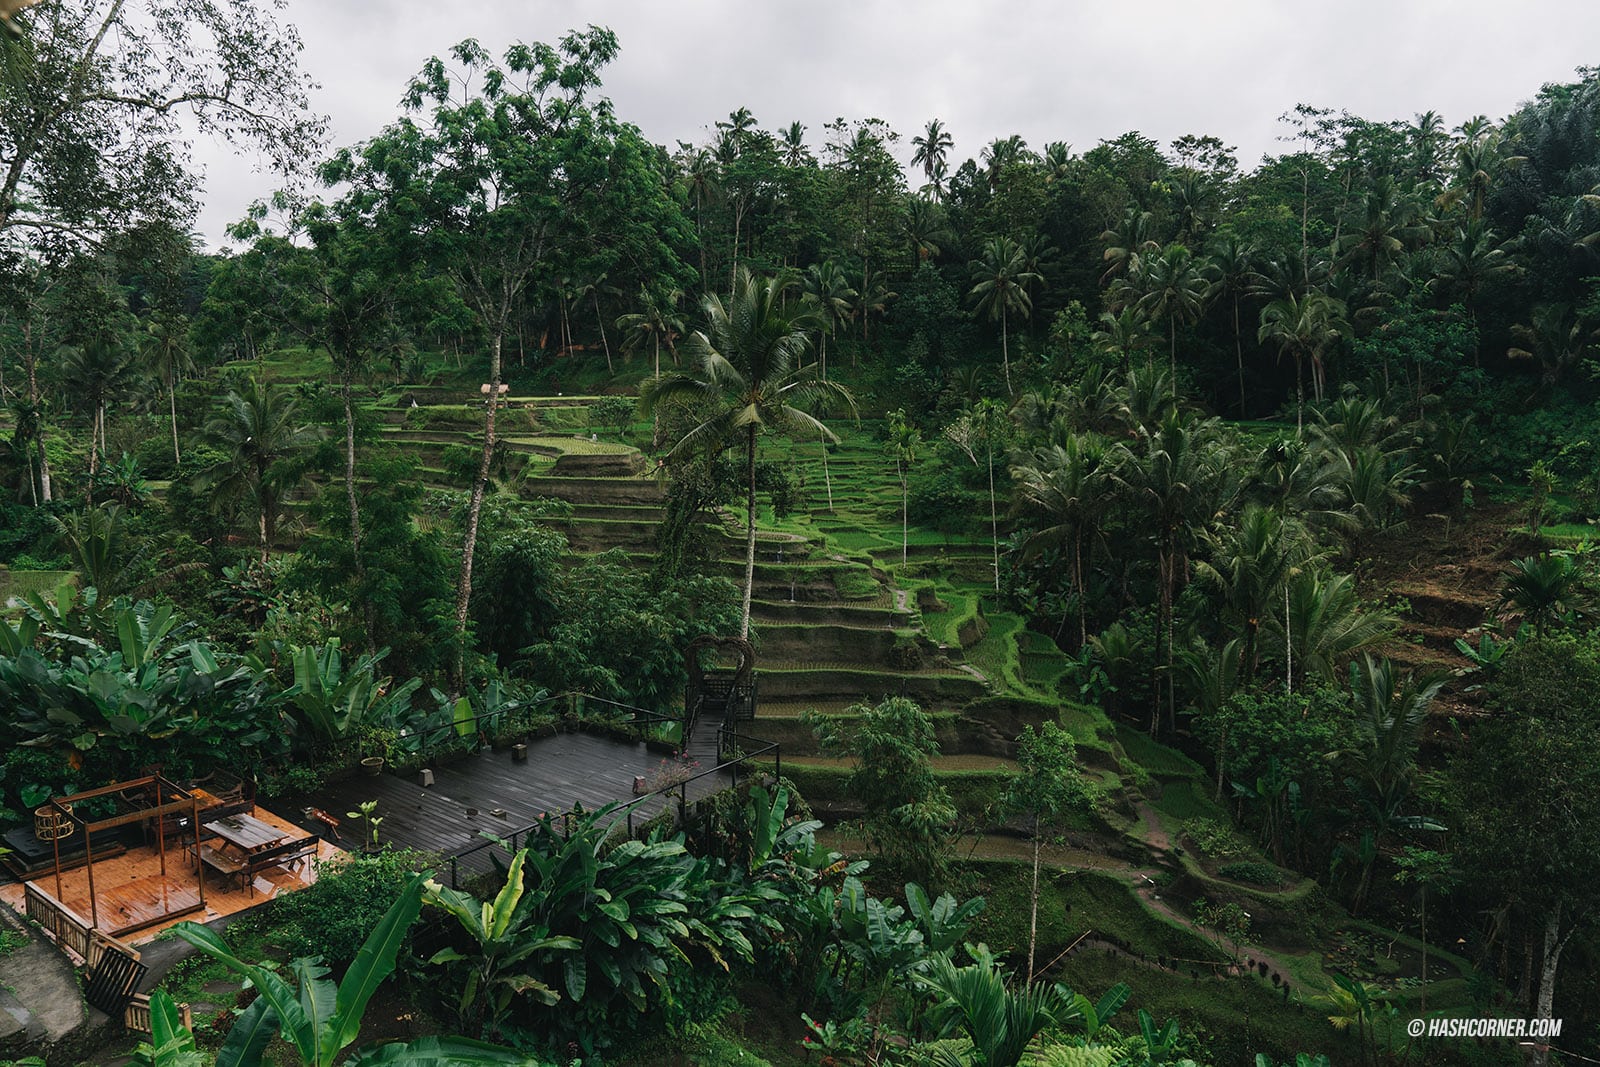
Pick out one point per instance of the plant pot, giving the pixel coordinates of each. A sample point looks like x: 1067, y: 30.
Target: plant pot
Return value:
x: 372, y: 765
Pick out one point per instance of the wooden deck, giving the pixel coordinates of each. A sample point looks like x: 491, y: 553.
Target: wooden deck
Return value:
x: 132, y: 894
x: 560, y: 771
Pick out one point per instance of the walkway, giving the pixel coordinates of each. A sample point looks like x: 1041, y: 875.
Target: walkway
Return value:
x: 490, y: 794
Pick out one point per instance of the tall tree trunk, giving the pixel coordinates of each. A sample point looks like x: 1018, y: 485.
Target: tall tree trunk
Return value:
x: 1549, y: 959
x: 475, y: 509
x: 827, y: 479
x: 262, y: 530
x: 1033, y: 906
x: 994, y: 523
x: 595, y: 293
x: 905, y: 508
x: 750, y: 530
x: 31, y: 362
x: 1238, y: 352
x: 1172, y: 349
x: 172, y: 408
x: 1005, y: 350
x: 355, y: 507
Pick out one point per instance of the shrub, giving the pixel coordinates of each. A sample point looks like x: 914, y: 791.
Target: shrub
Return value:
x: 1213, y: 838
x: 334, y: 915
x: 1253, y: 872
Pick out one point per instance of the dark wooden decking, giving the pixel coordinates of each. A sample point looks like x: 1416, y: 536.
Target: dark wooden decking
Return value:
x: 560, y: 771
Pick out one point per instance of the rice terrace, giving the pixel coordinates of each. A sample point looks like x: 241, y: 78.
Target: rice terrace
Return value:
x: 549, y: 570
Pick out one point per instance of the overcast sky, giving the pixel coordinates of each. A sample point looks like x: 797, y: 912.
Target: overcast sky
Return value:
x: 1068, y: 70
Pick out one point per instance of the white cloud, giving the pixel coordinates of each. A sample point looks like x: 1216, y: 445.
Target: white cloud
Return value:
x: 1065, y: 70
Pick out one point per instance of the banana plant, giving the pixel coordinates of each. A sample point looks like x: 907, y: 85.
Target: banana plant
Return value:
x: 509, y: 943
x: 333, y: 700
x: 171, y: 1043
x: 318, y: 1020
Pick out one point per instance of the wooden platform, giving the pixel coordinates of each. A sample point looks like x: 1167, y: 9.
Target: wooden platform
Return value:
x: 560, y: 771
x: 133, y: 894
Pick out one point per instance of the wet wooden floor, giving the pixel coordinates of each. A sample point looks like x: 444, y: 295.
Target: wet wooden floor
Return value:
x: 135, y: 900
x: 505, y: 794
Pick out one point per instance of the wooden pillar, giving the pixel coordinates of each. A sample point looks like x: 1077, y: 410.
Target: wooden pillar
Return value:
x: 199, y: 868
x: 88, y: 865
x: 161, y: 834
x: 56, y: 841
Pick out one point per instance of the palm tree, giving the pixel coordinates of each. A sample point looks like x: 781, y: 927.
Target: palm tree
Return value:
x: 826, y: 286
x: 750, y: 367
x: 872, y: 300
x: 95, y: 373
x: 656, y: 320
x: 792, y: 140
x: 1390, y: 225
x: 1133, y: 237
x: 166, y: 353
x: 1230, y: 262
x: 1173, y: 288
x: 703, y: 178
x: 1183, y: 478
x: 1001, y: 281
x: 1543, y: 588
x: 1305, y: 329
x: 1124, y: 333
x: 1057, y: 161
x: 1250, y: 562
x: 1388, y: 719
x: 932, y: 148
x: 1322, y: 625
x: 260, y: 434
x: 1069, y: 487
x: 1468, y: 262
x: 925, y: 229
x: 1557, y: 337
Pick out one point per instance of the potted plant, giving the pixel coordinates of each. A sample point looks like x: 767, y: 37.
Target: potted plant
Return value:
x: 373, y: 765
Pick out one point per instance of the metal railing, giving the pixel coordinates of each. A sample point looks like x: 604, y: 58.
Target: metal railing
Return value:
x: 576, y: 705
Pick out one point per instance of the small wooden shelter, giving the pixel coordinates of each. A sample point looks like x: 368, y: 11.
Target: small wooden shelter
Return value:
x: 165, y: 807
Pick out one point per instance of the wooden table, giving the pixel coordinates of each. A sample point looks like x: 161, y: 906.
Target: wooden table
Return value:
x: 246, y: 832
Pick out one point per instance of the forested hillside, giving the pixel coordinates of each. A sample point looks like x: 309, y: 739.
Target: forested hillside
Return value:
x: 1171, y: 578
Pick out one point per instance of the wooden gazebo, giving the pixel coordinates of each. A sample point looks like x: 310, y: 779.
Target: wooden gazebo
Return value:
x: 160, y: 804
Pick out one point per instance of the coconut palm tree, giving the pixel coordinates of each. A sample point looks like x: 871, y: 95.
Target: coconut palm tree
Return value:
x: 656, y: 320
x: 1131, y: 238
x: 1183, y: 477
x: 925, y: 229
x: 1322, y: 625
x: 825, y: 285
x: 260, y: 434
x: 1304, y: 329
x: 1251, y: 559
x: 932, y: 148
x: 1230, y: 263
x: 1468, y: 262
x: 165, y: 347
x: 1069, y: 487
x: 1173, y: 288
x: 750, y: 359
x: 1000, y: 288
